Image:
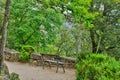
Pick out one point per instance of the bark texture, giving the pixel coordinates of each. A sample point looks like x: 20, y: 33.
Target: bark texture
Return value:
x: 4, y: 34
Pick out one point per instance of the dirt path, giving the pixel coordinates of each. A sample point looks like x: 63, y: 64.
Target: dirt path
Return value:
x: 28, y: 72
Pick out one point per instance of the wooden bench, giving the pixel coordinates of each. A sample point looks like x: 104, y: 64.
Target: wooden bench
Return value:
x: 51, y: 58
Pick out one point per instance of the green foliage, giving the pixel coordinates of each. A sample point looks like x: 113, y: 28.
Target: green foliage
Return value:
x: 49, y: 49
x: 107, y: 29
x: 33, y: 24
x: 25, y: 50
x: 24, y: 57
x: 80, y: 9
x: 65, y: 43
x: 37, y: 23
x: 97, y: 67
x: 2, y: 5
x: 14, y: 76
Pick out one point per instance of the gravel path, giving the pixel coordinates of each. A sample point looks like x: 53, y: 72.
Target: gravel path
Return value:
x: 28, y: 72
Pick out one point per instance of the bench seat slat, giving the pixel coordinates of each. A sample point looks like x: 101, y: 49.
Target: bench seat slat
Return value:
x: 52, y: 61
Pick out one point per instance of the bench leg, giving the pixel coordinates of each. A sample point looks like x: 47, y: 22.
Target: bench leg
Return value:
x: 57, y: 68
x: 63, y: 68
x: 43, y: 64
x: 49, y: 65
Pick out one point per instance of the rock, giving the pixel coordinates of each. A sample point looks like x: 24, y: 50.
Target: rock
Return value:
x: 5, y: 73
x: 5, y: 69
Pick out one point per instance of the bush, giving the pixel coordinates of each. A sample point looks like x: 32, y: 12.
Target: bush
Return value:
x: 97, y: 67
x: 24, y: 57
x: 14, y: 76
x: 27, y: 48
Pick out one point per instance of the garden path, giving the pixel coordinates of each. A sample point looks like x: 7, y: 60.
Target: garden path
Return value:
x: 29, y: 72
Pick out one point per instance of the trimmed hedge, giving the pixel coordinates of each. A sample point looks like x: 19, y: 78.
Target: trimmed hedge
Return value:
x: 97, y: 67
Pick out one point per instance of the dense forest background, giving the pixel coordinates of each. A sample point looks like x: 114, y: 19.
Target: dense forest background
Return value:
x: 64, y: 27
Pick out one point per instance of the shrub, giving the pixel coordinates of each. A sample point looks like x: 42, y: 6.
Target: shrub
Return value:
x: 27, y: 48
x: 24, y: 57
x: 97, y: 67
x: 14, y: 76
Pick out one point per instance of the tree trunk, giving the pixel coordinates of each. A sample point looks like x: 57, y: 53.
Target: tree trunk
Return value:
x: 92, y: 36
x: 78, y: 39
x: 4, y: 33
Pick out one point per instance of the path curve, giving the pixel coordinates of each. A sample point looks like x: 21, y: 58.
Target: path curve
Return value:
x: 28, y: 72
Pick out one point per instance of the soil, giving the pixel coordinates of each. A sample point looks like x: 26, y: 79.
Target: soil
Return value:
x: 29, y: 72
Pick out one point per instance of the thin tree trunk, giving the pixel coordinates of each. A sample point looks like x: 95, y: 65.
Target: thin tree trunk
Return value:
x: 92, y: 36
x: 98, y: 45
x: 4, y: 34
x: 78, y: 39
x: 78, y: 43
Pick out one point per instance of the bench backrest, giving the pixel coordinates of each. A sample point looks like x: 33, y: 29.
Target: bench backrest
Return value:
x: 49, y: 56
